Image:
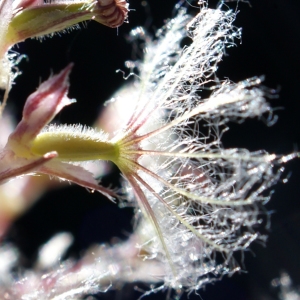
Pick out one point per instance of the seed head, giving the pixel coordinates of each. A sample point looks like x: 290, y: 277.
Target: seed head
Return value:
x: 197, y: 202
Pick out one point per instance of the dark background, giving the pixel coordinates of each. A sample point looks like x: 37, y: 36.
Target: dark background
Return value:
x: 270, y: 46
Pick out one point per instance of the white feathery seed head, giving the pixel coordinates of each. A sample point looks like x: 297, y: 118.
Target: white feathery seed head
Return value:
x: 196, y: 202
x: 203, y: 202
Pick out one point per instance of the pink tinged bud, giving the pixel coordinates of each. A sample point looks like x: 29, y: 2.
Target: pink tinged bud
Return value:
x: 39, y: 110
x: 41, y: 107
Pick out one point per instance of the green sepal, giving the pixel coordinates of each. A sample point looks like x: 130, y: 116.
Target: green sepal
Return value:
x: 46, y: 19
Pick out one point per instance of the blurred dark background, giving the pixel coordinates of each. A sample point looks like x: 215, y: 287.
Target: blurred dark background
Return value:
x: 270, y: 46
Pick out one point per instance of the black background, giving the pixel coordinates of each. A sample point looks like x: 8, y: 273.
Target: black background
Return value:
x: 270, y: 46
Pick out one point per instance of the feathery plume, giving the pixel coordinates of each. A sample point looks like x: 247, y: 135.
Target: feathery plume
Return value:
x: 199, y: 202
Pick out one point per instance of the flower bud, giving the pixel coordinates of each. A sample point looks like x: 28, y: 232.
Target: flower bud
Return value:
x: 34, y: 19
